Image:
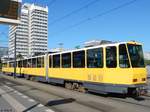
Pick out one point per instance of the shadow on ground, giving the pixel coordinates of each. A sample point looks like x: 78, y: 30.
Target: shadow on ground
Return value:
x: 59, y: 102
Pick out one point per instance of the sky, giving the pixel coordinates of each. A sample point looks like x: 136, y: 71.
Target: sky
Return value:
x: 73, y: 22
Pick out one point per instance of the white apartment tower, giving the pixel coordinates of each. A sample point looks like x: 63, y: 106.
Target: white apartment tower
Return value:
x: 31, y: 33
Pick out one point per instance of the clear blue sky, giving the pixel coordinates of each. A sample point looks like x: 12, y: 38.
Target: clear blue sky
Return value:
x: 131, y: 22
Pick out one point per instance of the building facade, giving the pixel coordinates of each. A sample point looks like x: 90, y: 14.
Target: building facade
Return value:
x: 96, y: 42
x: 31, y: 33
x: 147, y: 55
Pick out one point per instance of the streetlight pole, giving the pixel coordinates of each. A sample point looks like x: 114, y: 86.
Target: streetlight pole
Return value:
x: 15, y: 56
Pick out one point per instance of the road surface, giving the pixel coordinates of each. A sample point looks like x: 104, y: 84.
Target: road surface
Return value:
x: 32, y: 96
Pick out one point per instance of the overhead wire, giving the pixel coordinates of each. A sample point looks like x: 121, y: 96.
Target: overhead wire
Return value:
x: 73, y: 12
x: 96, y: 16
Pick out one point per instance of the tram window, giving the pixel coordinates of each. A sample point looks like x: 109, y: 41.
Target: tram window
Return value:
x: 42, y: 62
x: 123, y: 57
x: 79, y: 59
x: 4, y: 65
x: 50, y: 61
x: 66, y: 60
x: 39, y: 62
x: 136, y: 55
x: 16, y: 63
x: 29, y: 63
x: 34, y: 62
x: 95, y: 58
x: 19, y: 63
x: 56, y: 61
x: 11, y: 64
x: 24, y: 63
x: 111, y: 57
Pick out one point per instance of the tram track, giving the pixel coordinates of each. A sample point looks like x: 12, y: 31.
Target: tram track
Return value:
x: 100, y: 107
x: 93, y: 105
x: 129, y: 102
x: 147, y: 95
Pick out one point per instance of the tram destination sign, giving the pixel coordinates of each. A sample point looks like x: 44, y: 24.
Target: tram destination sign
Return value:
x: 10, y: 9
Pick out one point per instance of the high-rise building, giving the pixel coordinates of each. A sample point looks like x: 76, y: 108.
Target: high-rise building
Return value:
x: 31, y: 33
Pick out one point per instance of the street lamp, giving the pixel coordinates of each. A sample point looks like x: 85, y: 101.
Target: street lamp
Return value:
x: 14, y: 75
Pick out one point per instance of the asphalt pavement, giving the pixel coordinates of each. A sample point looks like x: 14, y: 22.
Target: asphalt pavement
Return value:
x: 12, y: 100
x: 58, y: 99
x: 5, y: 106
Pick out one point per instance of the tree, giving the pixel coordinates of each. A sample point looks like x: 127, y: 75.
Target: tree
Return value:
x: 77, y: 47
x: 38, y: 54
x: 147, y: 62
x: 19, y: 56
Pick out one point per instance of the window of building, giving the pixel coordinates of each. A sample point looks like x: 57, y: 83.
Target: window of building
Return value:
x: 123, y: 57
x: 111, y: 57
x: 66, y: 60
x: 79, y: 59
x: 56, y: 61
x: 95, y: 58
x: 34, y: 63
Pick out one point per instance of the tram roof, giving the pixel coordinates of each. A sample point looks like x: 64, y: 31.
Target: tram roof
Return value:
x: 75, y: 50
x: 97, y: 46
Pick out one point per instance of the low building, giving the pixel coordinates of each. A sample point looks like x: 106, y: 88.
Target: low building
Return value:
x: 3, y: 51
x: 96, y: 42
x: 6, y: 58
x: 147, y: 55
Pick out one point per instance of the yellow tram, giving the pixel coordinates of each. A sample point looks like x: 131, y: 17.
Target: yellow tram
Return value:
x: 109, y: 68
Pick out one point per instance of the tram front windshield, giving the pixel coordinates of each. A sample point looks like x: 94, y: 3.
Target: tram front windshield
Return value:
x: 136, y: 55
